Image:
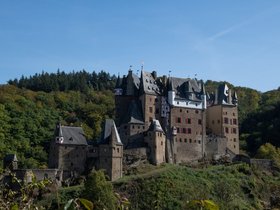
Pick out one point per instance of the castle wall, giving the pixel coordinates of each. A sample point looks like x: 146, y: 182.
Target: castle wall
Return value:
x: 156, y: 142
x: 72, y: 158
x: 223, y: 120
x: 151, y: 107
x: 215, y: 145
x: 110, y: 159
x: 188, y: 140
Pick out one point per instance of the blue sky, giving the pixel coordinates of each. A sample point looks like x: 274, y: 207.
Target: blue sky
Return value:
x: 227, y: 40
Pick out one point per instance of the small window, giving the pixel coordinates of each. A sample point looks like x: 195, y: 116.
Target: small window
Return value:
x: 190, y: 140
x: 118, y: 150
x: 180, y: 110
x: 178, y: 102
x: 185, y: 140
x: 180, y: 140
x: 196, y: 111
x: 178, y: 130
x: 189, y: 121
x: 218, y: 121
x: 234, y: 121
x: 226, y: 129
x: 184, y: 130
x: 199, y: 141
x: 199, y: 122
x: 189, y: 130
x: 161, y: 143
x: 151, y: 109
x: 178, y: 119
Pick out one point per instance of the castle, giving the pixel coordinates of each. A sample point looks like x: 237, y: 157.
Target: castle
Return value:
x: 166, y: 119
x: 174, y: 118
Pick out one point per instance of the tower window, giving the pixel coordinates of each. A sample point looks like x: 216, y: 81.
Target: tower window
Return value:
x: 199, y: 121
x: 151, y: 109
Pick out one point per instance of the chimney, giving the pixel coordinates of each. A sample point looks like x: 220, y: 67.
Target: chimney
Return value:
x: 154, y: 73
x: 216, y: 97
x: 229, y: 96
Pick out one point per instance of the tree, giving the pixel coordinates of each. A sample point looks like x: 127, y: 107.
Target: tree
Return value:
x: 99, y: 191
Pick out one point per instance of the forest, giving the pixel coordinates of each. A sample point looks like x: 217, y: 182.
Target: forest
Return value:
x: 31, y: 106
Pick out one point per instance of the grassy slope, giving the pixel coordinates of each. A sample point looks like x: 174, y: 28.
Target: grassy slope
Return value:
x: 171, y: 187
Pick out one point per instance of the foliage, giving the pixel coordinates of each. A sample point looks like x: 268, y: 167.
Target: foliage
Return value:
x: 28, y: 119
x: 177, y: 187
x: 268, y: 151
x: 78, y: 203
x: 99, y: 191
x: 202, y: 205
x: 60, y: 81
x: 22, y: 195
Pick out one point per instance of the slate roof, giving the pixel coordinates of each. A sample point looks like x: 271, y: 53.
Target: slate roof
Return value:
x: 72, y: 135
x: 184, y: 88
x: 10, y: 158
x: 149, y: 83
x: 155, y: 126
x: 108, y: 130
x: 134, y: 114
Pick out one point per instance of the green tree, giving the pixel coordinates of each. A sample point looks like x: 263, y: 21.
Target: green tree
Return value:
x: 99, y: 191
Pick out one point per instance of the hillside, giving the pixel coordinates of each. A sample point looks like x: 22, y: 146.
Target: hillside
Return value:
x: 236, y: 186
x: 173, y: 187
x: 31, y: 107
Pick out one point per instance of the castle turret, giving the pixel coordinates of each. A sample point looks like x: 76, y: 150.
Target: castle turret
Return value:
x: 157, y: 143
x: 111, y: 151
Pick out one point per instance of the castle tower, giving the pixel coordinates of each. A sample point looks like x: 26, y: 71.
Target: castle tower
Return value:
x: 68, y: 150
x: 186, y: 98
x: 111, y: 151
x: 156, y: 141
x: 222, y: 117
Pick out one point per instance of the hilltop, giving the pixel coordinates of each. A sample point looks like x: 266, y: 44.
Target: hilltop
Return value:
x: 30, y: 108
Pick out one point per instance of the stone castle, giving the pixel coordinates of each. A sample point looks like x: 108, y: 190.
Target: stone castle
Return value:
x: 166, y: 119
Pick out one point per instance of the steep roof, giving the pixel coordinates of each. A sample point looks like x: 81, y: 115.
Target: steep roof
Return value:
x: 190, y: 89
x: 72, y: 135
x: 155, y: 126
x: 109, y: 130
x: 149, y: 84
x: 134, y: 114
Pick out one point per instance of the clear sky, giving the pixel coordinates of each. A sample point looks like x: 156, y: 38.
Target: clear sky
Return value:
x: 232, y: 40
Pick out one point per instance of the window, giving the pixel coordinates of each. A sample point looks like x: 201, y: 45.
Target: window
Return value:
x: 226, y: 120
x: 180, y: 110
x: 234, y: 139
x: 161, y: 143
x: 189, y: 121
x: 184, y: 130
x: 180, y: 140
x: 189, y: 130
x: 150, y: 119
x: 199, y: 141
x: 118, y: 150
x: 190, y: 140
x: 233, y: 130
x: 226, y: 129
x: 230, y: 121
x: 196, y: 111
x: 178, y: 130
x: 234, y: 121
x: 233, y: 114
x: 199, y: 121
x: 178, y: 119
x: 133, y: 127
x: 218, y: 121
x: 151, y: 109
x: 185, y: 140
